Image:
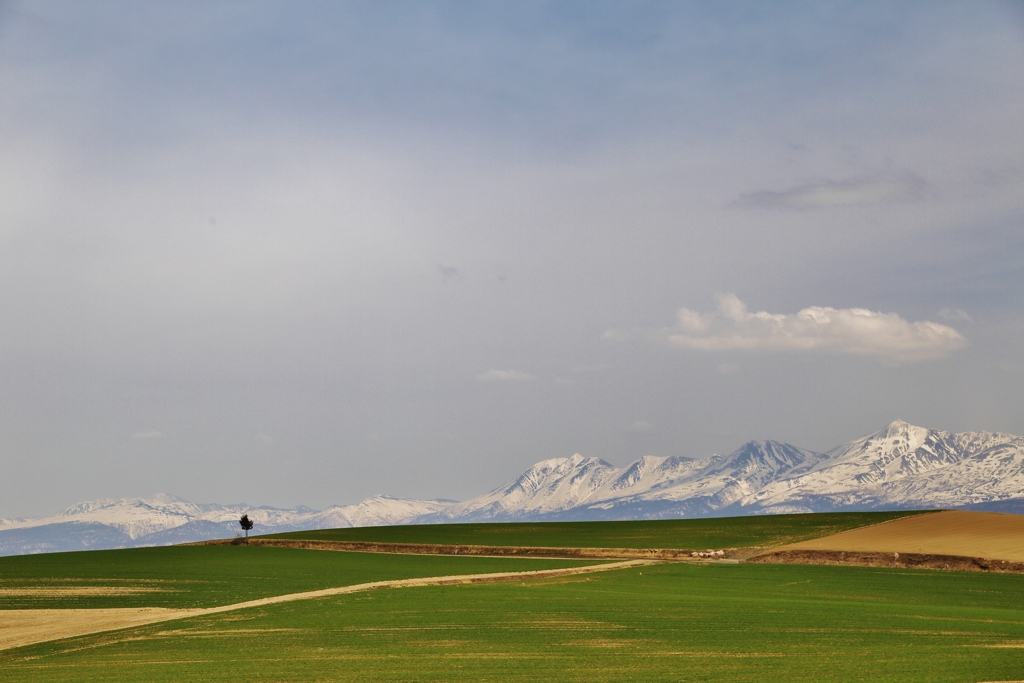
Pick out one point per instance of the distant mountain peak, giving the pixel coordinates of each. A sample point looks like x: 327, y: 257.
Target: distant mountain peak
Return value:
x: 163, y: 519
x: 155, y: 500
x: 899, y: 466
x: 902, y: 429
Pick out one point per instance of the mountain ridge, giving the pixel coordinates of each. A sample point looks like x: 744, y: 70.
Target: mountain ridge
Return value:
x: 900, y: 466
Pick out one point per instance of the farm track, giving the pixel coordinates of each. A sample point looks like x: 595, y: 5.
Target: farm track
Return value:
x: 27, y: 627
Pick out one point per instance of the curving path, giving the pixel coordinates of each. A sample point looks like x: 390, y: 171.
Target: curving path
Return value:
x: 26, y: 627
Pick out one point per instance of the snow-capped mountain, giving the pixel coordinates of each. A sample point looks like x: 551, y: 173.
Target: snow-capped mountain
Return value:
x: 549, y: 486
x: 901, y: 466
x: 907, y: 466
x: 164, y: 519
x: 376, y: 511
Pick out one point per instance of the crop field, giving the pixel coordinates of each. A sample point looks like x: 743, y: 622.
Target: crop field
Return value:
x: 662, y: 621
x: 723, y: 532
x: 982, y: 534
x: 207, y: 576
x: 668, y: 622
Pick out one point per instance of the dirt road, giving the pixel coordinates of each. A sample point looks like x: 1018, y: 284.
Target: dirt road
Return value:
x: 25, y: 627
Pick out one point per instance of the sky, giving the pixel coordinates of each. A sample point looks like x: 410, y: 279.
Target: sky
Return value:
x: 304, y: 253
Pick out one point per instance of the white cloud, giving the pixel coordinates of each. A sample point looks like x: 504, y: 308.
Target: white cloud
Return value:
x: 505, y: 376
x: 817, y: 328
x: 148, y: 435
x: 882, y: 188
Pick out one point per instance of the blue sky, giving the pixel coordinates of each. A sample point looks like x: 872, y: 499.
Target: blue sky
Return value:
x: 305, y: 253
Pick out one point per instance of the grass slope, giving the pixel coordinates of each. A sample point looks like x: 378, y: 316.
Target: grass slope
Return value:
x: 722, y: 532
x: 207, y: 576
x: 671, y: 622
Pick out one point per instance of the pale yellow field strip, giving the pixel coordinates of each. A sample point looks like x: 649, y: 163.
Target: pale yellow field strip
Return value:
x: 25, y: 627
x: 74, y: 591
x: 990, y: 535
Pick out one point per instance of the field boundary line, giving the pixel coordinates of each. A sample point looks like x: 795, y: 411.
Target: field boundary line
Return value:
x: 551, y: 552
x: 889, y: 560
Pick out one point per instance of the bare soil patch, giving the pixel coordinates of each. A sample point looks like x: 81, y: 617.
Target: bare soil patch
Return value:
x: 952, y: 539
x: 25, y: 627
x: 991, y: 535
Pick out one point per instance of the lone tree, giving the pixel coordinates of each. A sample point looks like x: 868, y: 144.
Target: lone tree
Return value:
x: 246, y: 524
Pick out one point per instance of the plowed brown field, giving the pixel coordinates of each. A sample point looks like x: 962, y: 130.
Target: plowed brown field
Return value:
x: 988, y: 535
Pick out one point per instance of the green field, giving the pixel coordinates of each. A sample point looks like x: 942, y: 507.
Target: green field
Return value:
x: 660, y: 622
x: 207, y: 576
x: 671, y: 622
x: 724, y: 532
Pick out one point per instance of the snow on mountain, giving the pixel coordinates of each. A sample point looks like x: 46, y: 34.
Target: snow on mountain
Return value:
x: 134, y: 517
x: 900, y: 466
x: 723, y: 481
x: 162, y: 519
x: 995, y: 473
x: 587, y: 488
x: 549, y: 486
x: 377, y: 511
x: 875, y: 469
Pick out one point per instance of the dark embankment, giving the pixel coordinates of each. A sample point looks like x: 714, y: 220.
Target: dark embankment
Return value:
x: 503, y: 550
x: 890, y: 560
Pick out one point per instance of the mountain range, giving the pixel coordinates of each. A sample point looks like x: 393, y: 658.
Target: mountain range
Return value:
x: 899, y: 467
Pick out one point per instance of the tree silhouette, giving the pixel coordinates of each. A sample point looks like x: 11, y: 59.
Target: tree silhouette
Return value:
x: 246, y: 524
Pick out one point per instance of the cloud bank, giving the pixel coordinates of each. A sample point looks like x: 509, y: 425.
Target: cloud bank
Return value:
x: 817, y: 328
x: 884, y: 188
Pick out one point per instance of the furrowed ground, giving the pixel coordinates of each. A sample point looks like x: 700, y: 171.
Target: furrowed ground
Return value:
x: 990, y: 535
x: 666, y: 622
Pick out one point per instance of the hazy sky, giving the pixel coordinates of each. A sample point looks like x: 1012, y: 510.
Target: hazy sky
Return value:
x: 302, y: 253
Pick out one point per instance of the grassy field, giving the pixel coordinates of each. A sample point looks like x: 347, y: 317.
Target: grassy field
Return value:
x: 725, y: 532
x: 207, y: 576
x: 670, y: 622
x: 663, y: 622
